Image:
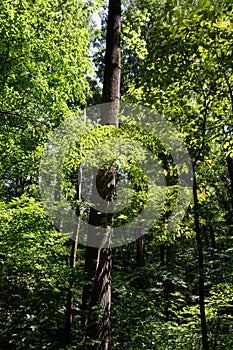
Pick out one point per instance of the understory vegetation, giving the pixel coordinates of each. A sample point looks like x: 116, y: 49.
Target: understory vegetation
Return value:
x: 177, y: 61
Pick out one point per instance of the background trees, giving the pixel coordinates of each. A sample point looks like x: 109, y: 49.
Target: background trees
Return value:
x: 44, y: 49
x: 177, y: 59
x: 44, y: 66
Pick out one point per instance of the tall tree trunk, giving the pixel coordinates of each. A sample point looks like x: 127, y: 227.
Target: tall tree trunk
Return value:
x: 112, y: 71
x: 200, y: 268
x: 73, y: 258
x: 96, y: 301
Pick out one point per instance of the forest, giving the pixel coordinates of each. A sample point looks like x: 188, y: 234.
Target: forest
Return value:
x: 149, y: 264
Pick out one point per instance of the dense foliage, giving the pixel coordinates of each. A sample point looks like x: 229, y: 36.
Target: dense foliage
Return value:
x: 177, y: 60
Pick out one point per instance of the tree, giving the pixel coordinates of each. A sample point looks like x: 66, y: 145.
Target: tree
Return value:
x: 44, y: 77
x: 44, y: 63
x: 98, y: 261
x: 176, y: 59
x: 185, y: 75
x: 33, y: 254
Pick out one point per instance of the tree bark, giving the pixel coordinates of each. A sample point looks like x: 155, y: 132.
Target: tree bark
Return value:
x: 96, y: 301
x: 73, y: 258
x: 141, y: 259
x: 162, y: 254
x: 212, y: 237
x: 200, y: 268
x: 230, y: 171
x: 141, y: 252
x: 112, y: 71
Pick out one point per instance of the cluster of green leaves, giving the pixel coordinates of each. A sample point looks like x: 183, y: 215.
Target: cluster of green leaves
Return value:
x: 33, y: 276
x: 186, y: 75
x: 156, y: 306
x: 44, y: 66
x: 98, y: 141
x: 177, y: 59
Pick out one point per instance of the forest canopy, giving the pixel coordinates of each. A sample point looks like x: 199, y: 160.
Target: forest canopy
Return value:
x: 169, y: 290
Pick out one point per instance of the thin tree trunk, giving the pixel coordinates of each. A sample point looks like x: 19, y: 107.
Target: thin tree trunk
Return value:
x: 162, y: 254
x: 141, y: 251
x: 216, y: 332
x: 200, y: 268
x: 96, y: 301
x: 230, y: 171
x: 141, y: 259
x: 73, y: 258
